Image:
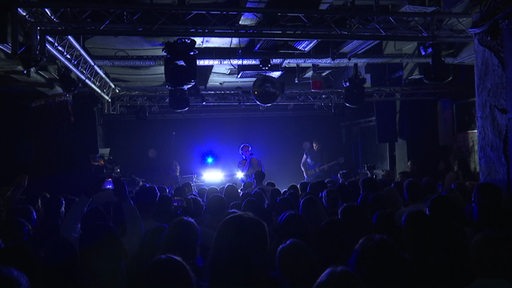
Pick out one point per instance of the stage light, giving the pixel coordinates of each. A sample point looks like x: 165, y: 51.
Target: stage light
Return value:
x: 239, y: 174
x: 354, y: 89
x: 180, y: 64
x: 265, y: 63
x: 209, y: 160
x: 425, y: 48
x: 213, y: 176
x: 266, y: 90
x: 437, y: 72
x: 178, y: 100
x: 180, y: 70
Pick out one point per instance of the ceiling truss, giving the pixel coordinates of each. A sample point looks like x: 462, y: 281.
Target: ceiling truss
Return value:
x: 184, y: 21
x: 58, y: 23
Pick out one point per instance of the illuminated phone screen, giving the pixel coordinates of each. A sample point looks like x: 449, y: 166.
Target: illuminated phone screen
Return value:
x: 108, y: 184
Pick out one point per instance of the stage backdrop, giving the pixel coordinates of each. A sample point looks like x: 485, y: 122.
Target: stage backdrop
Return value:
x: 146, y: 148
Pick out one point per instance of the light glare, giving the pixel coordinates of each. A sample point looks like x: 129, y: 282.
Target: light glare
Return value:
x: 213, y: 176
x: 239, y: 174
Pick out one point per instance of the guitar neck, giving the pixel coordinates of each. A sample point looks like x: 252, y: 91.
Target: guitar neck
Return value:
x: 330, y: 164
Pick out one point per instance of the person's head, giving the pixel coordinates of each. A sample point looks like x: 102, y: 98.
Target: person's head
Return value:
x: 168, y: 270
x: 12, y: 277
x: 343, y: 176
x: 296, y: 263
x: 231, y: 193
x: 338, y: 276
x: 378, y: 262
x: 239, y: 252
x: 182, y: 239
x: 316, y: 145
x: 245, y: 150
x: 176, y: 167
x: 412, y: 165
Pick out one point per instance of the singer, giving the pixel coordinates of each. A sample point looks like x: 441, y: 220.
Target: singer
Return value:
x: 249, y: 164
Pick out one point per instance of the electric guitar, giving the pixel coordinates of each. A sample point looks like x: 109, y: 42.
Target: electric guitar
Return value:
x: 312, y: 173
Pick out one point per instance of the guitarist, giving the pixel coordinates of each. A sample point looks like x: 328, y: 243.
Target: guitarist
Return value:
x: 312, y: 162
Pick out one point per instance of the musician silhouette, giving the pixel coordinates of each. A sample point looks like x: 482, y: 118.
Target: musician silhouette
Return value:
x: 313, y: 162
x: 249, y: 164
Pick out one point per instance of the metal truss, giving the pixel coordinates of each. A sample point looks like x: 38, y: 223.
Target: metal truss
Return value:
x: 241, y: 104
x: 160, y: 102
x: 297, y: 100
x: 58, y: 21
x: 70, y: 53
x: 350, y: 23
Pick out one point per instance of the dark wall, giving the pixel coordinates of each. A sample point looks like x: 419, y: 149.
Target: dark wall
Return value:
x: 46, y: 139
x: 16, y: 144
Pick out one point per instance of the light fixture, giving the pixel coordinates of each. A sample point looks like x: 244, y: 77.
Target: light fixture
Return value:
x: 178, y: 99
x: 266, y: 90
x: 29, y: 59
x: 265, y: 63
x: 437, y: 72
x: 209, y: 158
x: 354, y: 89
x: 213, y: 176
x: 180, y: 70
x: 425, y: 48
x: 67, y: 50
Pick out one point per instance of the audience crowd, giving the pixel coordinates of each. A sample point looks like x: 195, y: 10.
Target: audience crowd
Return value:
x: 361, y: 231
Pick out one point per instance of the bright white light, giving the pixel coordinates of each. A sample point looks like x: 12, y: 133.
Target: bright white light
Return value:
x: 213, y: 176
x: 239, y: 174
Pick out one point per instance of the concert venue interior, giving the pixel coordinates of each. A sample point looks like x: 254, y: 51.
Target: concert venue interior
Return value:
x: 357, y: 83
x: 146, y: 84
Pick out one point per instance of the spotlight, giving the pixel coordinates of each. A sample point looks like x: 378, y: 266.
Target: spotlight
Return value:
x: 32, y: 53
x: 438, y: 72
x: 178, y: 100
x: 354, y: 89
x: 180, y: 70
x: 425, y: 48
x: 213, y: 176
x: 29, y: 59
x: 265, y: 63
x: 209, y: 158
x: 180, y: 64
x: 266, y: 89
x: 239, y: 174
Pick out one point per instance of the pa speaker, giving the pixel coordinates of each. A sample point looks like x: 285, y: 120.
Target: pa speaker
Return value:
x: 385, y: 117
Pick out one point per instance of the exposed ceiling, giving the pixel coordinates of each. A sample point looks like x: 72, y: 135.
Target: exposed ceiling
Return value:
x: 115, y: 49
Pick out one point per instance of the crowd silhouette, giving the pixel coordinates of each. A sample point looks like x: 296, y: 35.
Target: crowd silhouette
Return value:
x: 359, y: 231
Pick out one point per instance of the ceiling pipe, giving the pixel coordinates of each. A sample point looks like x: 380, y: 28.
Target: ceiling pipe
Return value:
x: 291, y: 62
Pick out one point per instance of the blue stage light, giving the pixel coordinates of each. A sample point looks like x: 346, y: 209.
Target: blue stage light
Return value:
x: 209, y: 158
x: 213, y: 176
x: 239, y: 174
